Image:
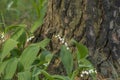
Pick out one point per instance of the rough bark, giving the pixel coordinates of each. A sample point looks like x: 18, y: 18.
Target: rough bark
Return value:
x: 95, y: 23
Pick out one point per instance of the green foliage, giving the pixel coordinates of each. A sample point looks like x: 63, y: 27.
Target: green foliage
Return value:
x: 27, y: 75
x: 29, y: 55
x: 82, y: 50
x: 23, y: 61
x: 67, y: 59
x: 26, y: 63
x: 40, y: 8
x: 7, y: 47
x: 17, y: 59
x: 10, y: 68
x: 3, y: 66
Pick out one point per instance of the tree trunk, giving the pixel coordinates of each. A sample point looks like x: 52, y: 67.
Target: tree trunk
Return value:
x: 95, y: 23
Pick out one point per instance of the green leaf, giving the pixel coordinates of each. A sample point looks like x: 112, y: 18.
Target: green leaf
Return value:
x: 43, y: 43
x: 48, y: 58
x: 40, y: 10
x: 3, y: 66
x: 11, y: 68
x: 82, y: 50
x: 25, y: 75
x: 59, y: 77
x: 45, y: 57
x: 47, y: 75
x: 15, y: 52
x: 7, y: 47
x: 36, y: 25
x: 13, y: 28
x: 29, y: 55
x: 18, y: 32
x: 36, y: 71
x: 22, y: 39
x: 67, y: 59
x: 84, y: 63
x: 36, y: 78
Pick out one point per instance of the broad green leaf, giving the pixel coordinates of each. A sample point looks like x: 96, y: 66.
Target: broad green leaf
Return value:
x: 3, y: 66
x: 7, y: 47
x: 67, y: 59
x: 15, y: 52
x: 43, y: 43
x: 48, y: 57
x: 84, y: 63
x: 45, y: 57
x: 16, y: 35
x: 10, y: 68
x: 36, y: 71
x: 82, y: 50
x: 25, y: 75
x: 29, y: 55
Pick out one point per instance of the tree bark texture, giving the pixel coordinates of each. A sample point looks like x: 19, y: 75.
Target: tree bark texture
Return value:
x: 95, y: 23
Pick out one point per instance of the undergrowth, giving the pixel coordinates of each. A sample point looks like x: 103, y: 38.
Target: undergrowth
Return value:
x: 22, y: 61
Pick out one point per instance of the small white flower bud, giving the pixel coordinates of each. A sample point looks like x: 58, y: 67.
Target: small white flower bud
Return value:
x: 67, y: 48
x: 2, y: 35
x: 87, y: 72
x: 60, y: 39
x: 30, y: 38
x: 81, y: 75
x: 83, y: 72
x: 66, y: 44
x: 91, y: 71
x: 58, y: 35
x: 95, y: 71
x: 63, y: 41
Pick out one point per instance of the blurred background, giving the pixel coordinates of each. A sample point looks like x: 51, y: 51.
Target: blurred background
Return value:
x: 13, y: 12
